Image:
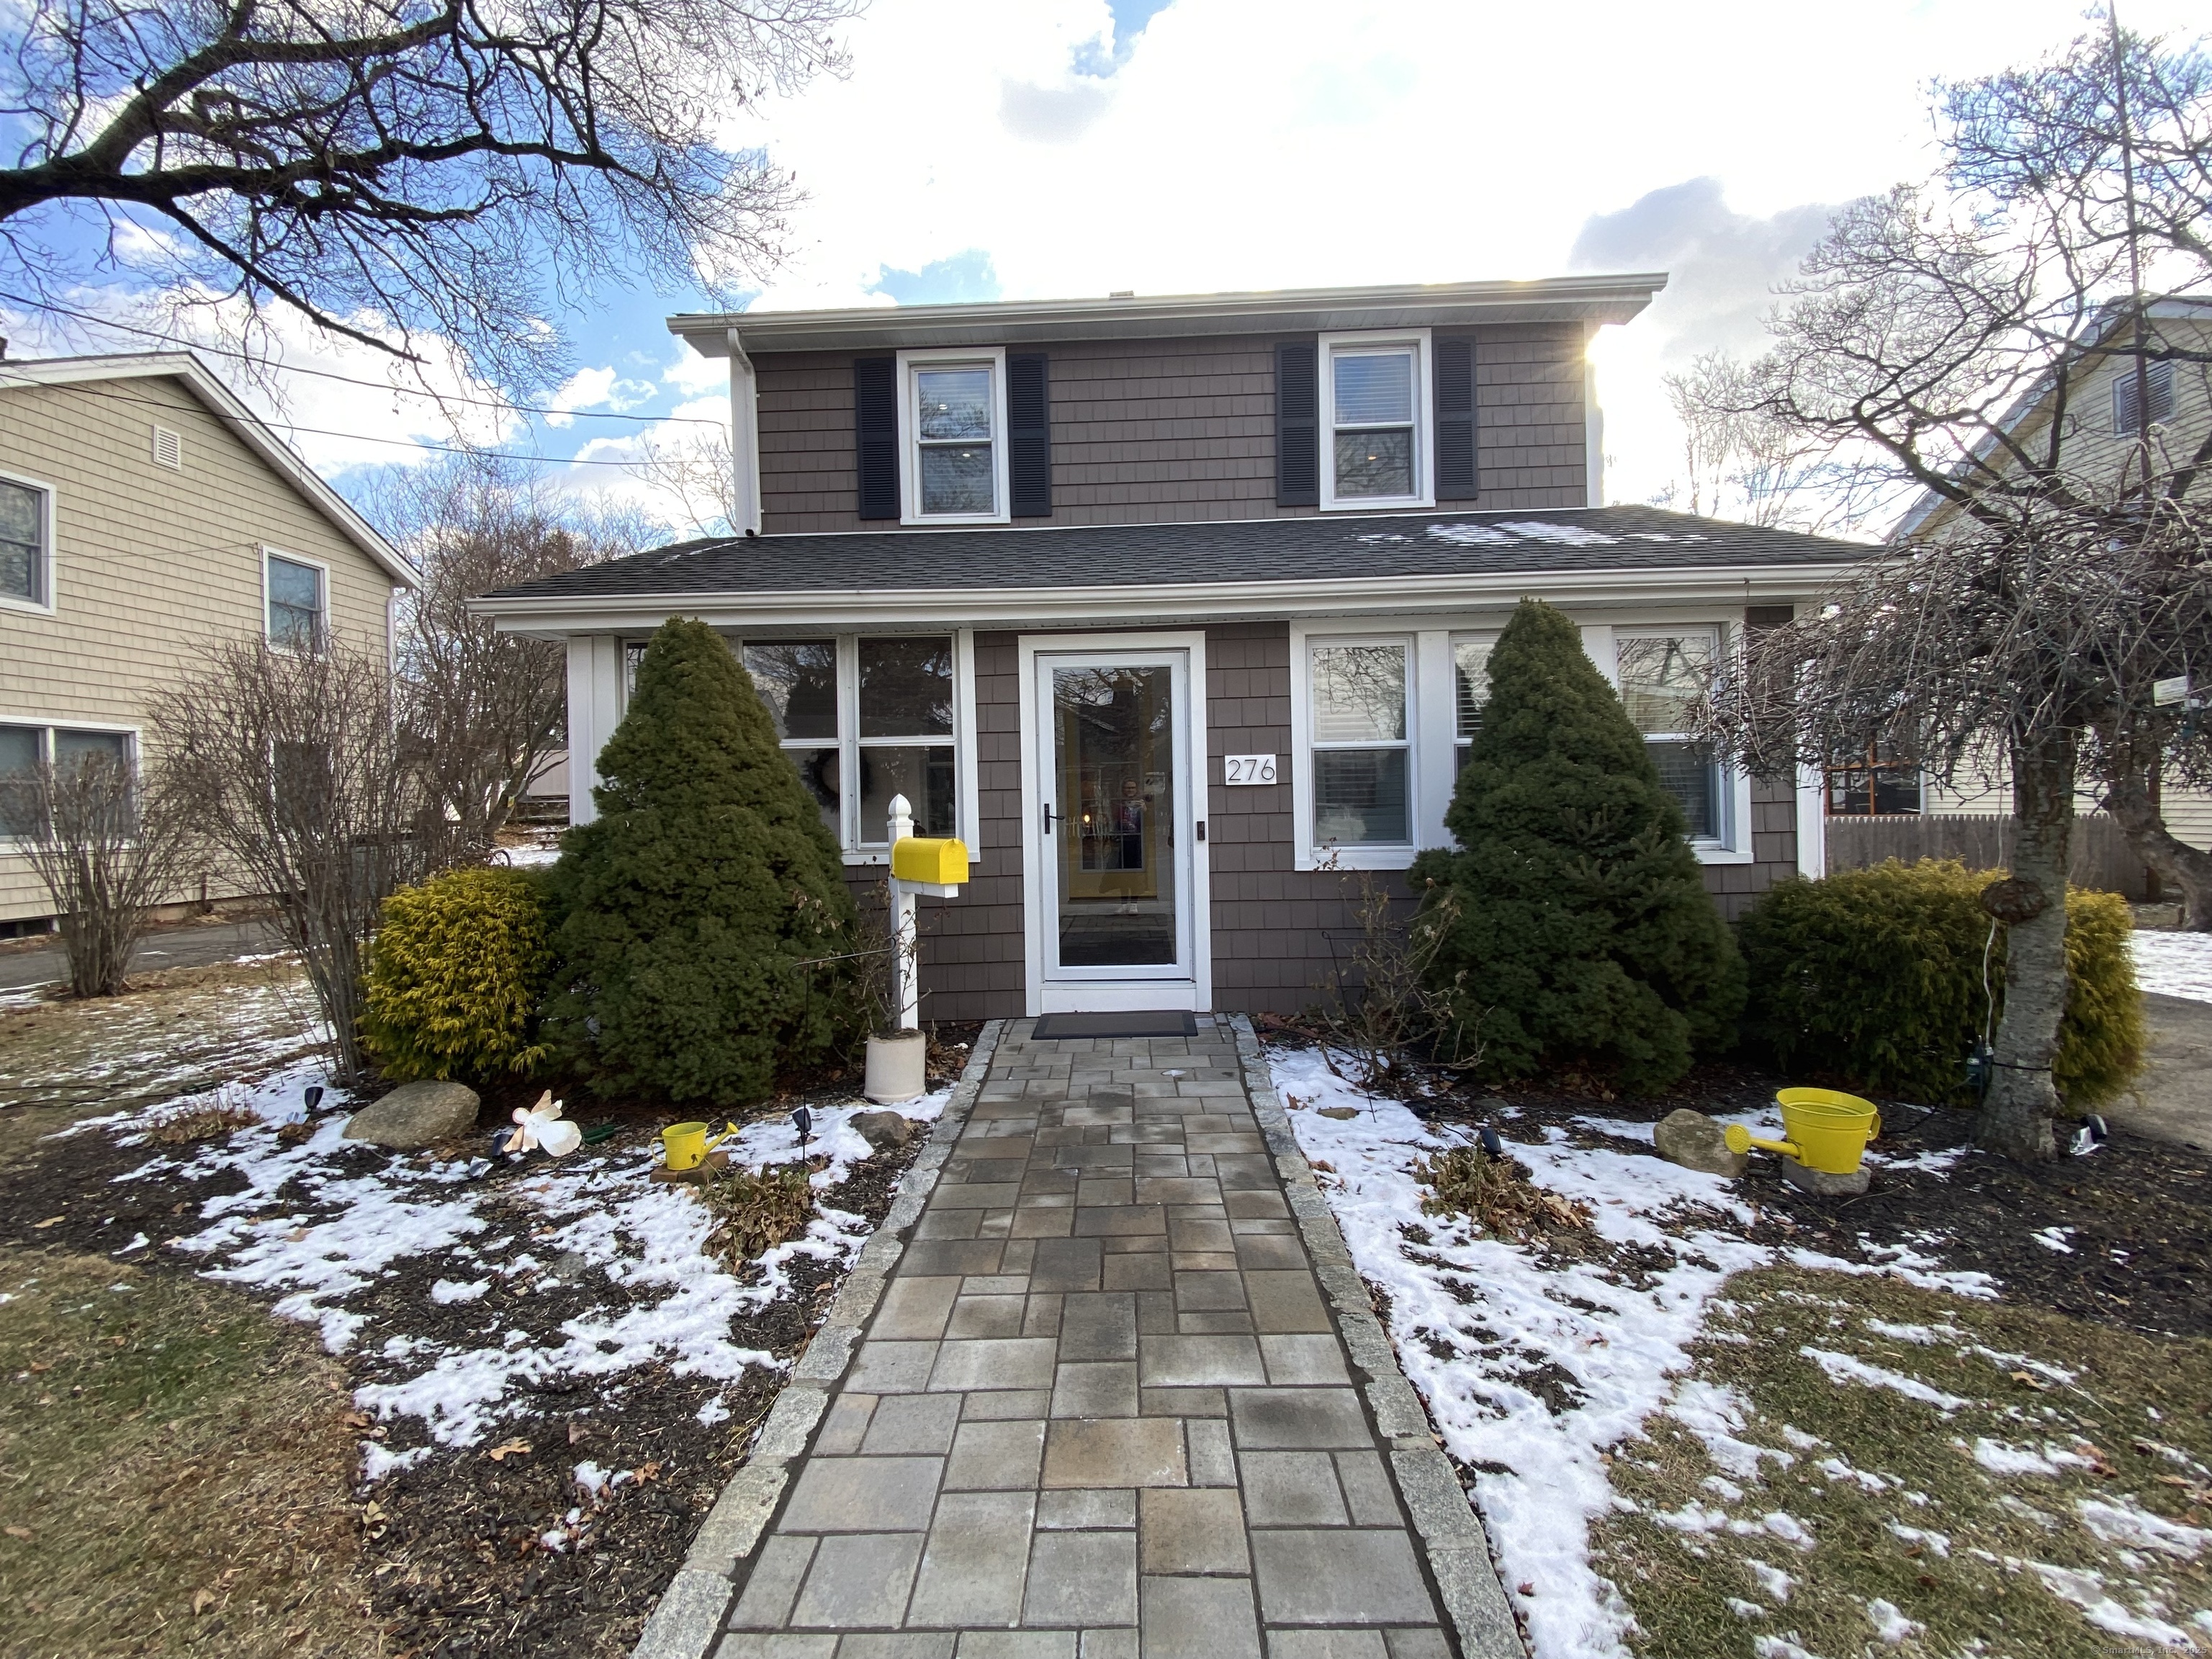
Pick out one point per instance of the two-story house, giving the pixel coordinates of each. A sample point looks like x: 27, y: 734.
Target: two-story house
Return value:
x: 1176, y: 609
x: 2109, y: 419
x: 144, y: 513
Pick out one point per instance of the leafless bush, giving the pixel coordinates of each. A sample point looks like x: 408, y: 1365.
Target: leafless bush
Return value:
x: 108, y: 848
x: 1494, y: 1191
x: 189, y: 1124
x: 483, y: 709
x: 1382, y: 1008
x: 296, y: 766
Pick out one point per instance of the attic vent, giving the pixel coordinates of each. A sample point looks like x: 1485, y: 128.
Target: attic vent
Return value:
x: 168, y: 449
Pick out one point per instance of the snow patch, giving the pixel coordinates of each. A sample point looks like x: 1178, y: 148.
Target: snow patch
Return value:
x: 1469, y: 535
x: 2137, y: 1528
x: 1560, y: 535
x: 2173, y: 964
x: 1847, y: 1368
x: 1890, y: 1624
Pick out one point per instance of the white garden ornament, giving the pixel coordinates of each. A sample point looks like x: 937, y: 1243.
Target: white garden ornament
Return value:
x: 541, y: 1126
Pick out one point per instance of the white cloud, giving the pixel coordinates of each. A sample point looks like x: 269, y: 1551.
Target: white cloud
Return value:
x: 593, y: 389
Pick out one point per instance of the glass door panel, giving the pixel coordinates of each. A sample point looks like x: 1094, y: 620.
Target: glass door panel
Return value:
x: 1113, y: 820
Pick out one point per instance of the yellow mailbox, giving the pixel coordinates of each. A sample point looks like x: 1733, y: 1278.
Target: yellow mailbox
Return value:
x: 936, y: 860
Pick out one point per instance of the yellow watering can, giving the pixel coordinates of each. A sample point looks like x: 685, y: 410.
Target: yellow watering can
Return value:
x: 685, y: 1146
x: 1826, y: 1131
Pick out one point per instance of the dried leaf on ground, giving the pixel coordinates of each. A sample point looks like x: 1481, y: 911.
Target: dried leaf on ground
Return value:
x: 755, y: 1211
x: 1495, y: 1193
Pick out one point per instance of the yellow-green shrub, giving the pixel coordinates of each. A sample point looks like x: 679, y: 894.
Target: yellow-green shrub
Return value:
x: 1875, y: 976
x: 455, y: 974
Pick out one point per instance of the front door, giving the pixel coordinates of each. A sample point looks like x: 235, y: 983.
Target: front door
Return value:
x: 1114, y: 829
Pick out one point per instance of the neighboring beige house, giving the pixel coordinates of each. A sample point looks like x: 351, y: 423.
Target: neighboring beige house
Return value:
x: 144, y: 513
x: 2103, y: 433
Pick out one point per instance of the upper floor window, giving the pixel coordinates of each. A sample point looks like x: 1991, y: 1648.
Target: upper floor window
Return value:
x: 299, y: 604
x: 863, y: 718
x: 1661, y: 674
x: 2126, y: 394
x: 26, y: 543
x: 1374, y: 400
x: 953, y: 429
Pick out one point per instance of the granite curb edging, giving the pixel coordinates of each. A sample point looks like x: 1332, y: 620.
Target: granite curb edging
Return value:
x: 687, y: 1621
x: 1452, y: 1535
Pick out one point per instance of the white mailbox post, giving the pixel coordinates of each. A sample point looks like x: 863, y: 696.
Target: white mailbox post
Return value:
x: 920, y: 865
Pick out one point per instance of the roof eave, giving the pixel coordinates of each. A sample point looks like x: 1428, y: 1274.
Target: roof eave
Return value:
x: 1593, y: 299
x: 242, y: 421
x: 558, y: 616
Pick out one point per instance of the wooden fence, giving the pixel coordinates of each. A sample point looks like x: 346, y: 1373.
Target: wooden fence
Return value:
x: 2102, y: 859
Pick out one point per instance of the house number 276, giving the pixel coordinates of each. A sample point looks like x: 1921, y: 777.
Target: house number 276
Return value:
x: 1249, y: 769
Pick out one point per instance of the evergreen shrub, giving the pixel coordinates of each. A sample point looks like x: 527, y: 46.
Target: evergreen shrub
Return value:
x: 697, y: 909
x: 455, y: 974
x: 1572, y: 922
x: 1875, y: 977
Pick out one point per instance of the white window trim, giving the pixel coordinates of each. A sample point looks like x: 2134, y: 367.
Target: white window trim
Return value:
x: 848, y: 742
x: 1424, y: 421
x: 1306, y: 853
x: 44, y: 604
x: 910, y: 512
x: 1433, y: 721
x: 47, y: 725
x: 286, y: 554
x: 1733, y: 844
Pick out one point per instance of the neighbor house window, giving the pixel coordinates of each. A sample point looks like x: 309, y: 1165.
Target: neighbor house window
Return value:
x: 22, y: 750
x: 1357, y: 731
x: 864, y: 718
x: 2127, y: 393
x: 1373, y: 397
x: 1662, y: 675
x: 26, y: 543
x: 952, y: 421
x: 298, y: 604
x: 1470, y: 691
x: 1874, y: 784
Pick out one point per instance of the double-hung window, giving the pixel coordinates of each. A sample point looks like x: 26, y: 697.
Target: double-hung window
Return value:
x: 27, y: 543
x: 1357, y: 728
x: 952, y: 421
x: 299, y: 603
x: 1662, y: 672
x: 24, y: 748
x: 1470, y: 691
x: 865, y: 718
x: 1375, y: 401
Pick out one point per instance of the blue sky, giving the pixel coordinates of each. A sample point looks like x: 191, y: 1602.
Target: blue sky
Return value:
x: 1033, y: 149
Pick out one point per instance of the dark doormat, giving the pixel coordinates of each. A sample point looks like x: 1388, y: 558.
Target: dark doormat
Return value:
x: 1172, y: 1023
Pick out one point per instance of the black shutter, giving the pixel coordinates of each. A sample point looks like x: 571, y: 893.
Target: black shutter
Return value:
x: 1297, y: 424
x: 875, y: 434
x: 1457, y: 475
x: 1029, y: 435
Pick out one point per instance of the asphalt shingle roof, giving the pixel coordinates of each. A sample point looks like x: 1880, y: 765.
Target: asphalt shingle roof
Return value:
x: 1155, y: 555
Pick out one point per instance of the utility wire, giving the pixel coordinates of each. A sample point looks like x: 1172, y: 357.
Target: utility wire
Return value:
x: 350, y: 380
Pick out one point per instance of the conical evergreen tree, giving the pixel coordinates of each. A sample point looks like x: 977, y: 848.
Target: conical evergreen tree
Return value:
x: 687, y: 906
x: 1574, y: 925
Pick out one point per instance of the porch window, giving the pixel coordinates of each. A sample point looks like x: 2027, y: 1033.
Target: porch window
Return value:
x: 953, y: 427
x: 1661, y: 674
x: 1374, y: 398
x: 1357, y: 730
x: 1470, y: 691
x: 863, y: 718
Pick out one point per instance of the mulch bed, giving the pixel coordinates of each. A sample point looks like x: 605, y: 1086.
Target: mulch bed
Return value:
x: 453, y: 1541
x: 2140, y: 1250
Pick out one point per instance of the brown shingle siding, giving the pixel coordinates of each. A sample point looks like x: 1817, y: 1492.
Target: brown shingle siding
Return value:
x: 1147, y: 433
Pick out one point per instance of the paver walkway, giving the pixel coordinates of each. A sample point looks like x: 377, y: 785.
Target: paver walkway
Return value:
x: 1101, y: 1410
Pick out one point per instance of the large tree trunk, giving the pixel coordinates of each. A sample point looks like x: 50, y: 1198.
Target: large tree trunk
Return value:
x: 2131, y: 763
x: 2022, y: 1099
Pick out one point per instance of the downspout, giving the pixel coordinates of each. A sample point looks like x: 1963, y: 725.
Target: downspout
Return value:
x: 1593, y: 426
x: 745, y: 441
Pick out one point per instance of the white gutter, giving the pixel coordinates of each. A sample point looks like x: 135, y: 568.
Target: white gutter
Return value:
x: 558, y: 617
